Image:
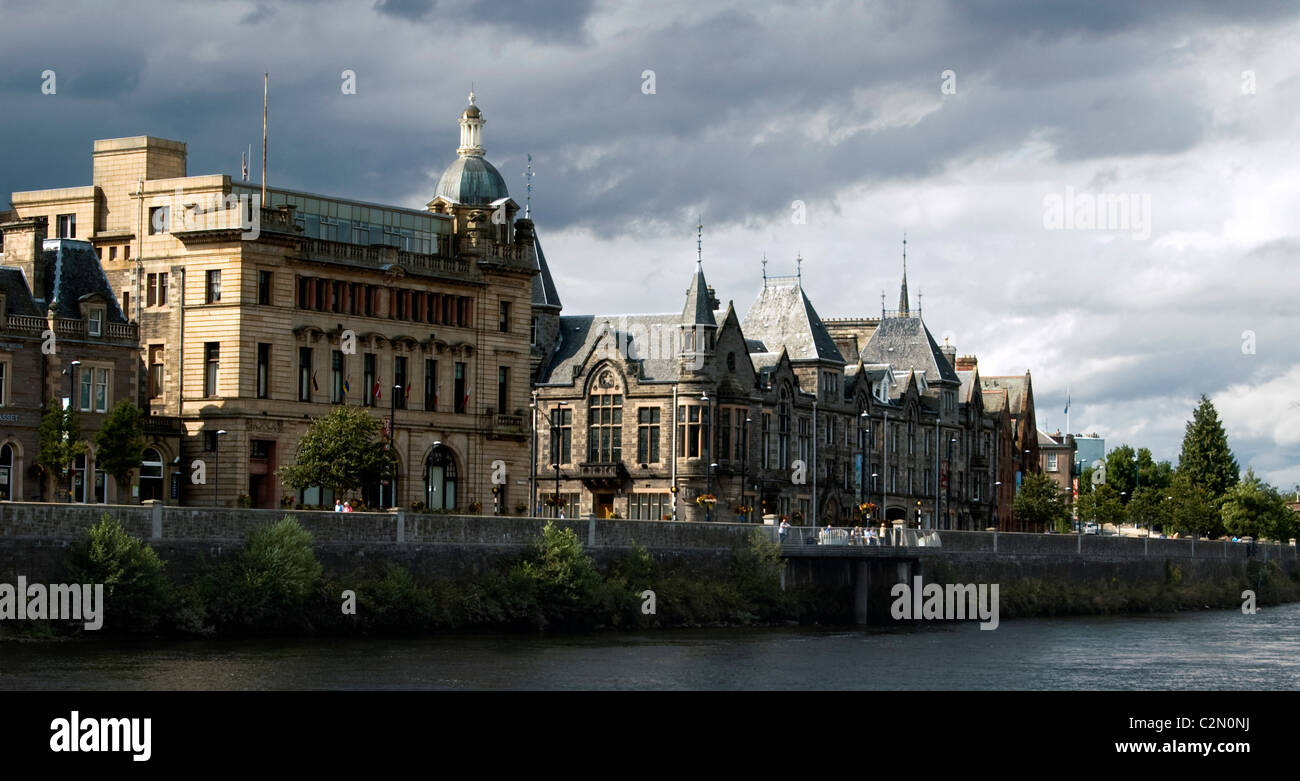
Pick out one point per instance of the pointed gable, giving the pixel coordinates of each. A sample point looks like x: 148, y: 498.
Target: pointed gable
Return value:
x: 905, y: 343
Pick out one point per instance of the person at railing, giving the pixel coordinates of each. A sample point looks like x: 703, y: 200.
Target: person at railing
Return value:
x: 784, y: 529
x: 855, y: 536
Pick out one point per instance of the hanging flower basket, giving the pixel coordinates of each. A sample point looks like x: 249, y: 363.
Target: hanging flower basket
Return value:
x: 706, y: 500
x: 555, y: 500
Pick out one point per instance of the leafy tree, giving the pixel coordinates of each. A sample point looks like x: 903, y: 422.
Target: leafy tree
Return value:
x: 1149, y: 507
x: 1040, y: 503
x: 1102, y: 505
x: 561, y: 575
x: 342, y: 451
x: 1122, y: 475
x: 1253, y: 507
x: 136, y: 592
x: 1206, y: 459
x: 60, y: 442
x: 1193, y: 508
x: 119, y: 444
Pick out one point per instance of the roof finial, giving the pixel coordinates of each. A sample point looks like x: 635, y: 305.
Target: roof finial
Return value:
x: 903, y: 305
x: 528, y: 199
x: 882, y: 303
x: 798, y: 267
x: 471, y: 93
x: 699, y: 241
x: 919, y: 296
x: 764, y: 269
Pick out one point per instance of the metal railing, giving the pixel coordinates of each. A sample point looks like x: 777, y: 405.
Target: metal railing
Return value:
x: 857, y: 536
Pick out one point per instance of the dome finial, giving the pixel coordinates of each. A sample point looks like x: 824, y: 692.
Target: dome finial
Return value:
x: 471, y: 130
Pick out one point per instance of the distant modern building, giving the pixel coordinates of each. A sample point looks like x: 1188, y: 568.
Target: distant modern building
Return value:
x: 1089, y: 448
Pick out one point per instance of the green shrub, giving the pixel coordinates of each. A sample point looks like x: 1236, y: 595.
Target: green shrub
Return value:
x: 559, y: 576
x: 137, y: 594
x: 268, y: 586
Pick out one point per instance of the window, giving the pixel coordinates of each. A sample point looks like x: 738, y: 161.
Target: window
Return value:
x: 214, y: 286
x: 561, y: 435
x: 459, y: 389
x: 532, y: 331
x: 87, y: 383
x: 112, y: 252
x: 649, y: 507
x: 400, y: 380
x: 210, y: 440
x: 260, y: 449
x: 263, y: 370
x: 126, y: 252
x: 431, y: 385
x: 160, y: 218
x: 337, y: 394
x: 6, y: 472
x: 605, y: 428
x: 647, y: 436
x: 369, y: 380
x: 742, y: 433
x: 95, y: 323
x: 503, y: 389
x: 783, y: 433
x: 692, y: 430
x: 4, y: 383
x: 155, y: 371
x: 101, y: 388
x: 67, y: 226
x: 1051, y: 462
x: 211, y: 361
x: 724, y: 433
x: 767, y: 440
x: 504, y: 321
x: 264, y: 288
x: 805, y: 439
x: 156, y: 290
x: 305, y: 379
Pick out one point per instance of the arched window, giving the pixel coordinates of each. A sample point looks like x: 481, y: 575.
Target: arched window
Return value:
x: 440, y: 479
x: 605, y: 420
x: 6, y: 473
x: 783, y: 431
x: 151, y: 475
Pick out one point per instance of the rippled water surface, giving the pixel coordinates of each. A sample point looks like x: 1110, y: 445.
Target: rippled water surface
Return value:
x: 1206, y: 650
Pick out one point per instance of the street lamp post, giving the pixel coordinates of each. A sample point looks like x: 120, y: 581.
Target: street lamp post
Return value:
x: 708, y: 509
x: 708, y: 424
x: 947, y: 486
x: 1137, y: 483
x: 392, y: 448
x: 997, y: 490
x: 216, y: 477
x: 862, y: 465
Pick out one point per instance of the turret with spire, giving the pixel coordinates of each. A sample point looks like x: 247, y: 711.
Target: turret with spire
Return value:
x: 902, y: 293
x: 698, y: 325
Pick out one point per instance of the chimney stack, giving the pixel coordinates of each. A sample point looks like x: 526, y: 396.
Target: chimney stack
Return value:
x: 24, y: 247
x: 967, y: 363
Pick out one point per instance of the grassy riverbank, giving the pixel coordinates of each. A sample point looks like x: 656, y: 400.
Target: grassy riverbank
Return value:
x: 275, y: 586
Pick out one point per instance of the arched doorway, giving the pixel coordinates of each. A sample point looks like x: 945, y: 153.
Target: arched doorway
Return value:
x: 151, y: 475
x: 79, y: 478
x: 440, y: 479
x: 8, y: 479
x: 382, y: 493
x: 895, y: 514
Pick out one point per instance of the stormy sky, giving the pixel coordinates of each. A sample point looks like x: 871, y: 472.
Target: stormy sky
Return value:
x: 987, y: 131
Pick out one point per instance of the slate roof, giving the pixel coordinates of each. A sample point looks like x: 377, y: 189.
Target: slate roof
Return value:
x: 650, y: 339
x: 784, y: 317
x: 1015, y: 390
x: 72, y: 272
x: 699, y: 301
x: 18, y: 297
x: 967, y: 386
x: 906, y: 343
x: 544, y: 292
x: 995, y: 399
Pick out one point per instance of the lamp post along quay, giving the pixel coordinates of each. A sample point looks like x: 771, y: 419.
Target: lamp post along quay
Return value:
x: 216, y: 474
x: 71, y: 371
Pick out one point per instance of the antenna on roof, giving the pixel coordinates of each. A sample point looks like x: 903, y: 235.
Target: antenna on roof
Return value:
x: 798, y: 267
x: 882, y: 303
x: 528, y: 199
x: 699, y: 241
x: 920, y: 296
x: 266, y: 91
x: 764, y: 269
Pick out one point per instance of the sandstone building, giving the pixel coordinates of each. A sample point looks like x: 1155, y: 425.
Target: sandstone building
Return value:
x: 255, y: 317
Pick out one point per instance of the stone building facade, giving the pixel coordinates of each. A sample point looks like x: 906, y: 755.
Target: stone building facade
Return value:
x: 64, y: 336
x: 257, y: 316
x: 642, y: 415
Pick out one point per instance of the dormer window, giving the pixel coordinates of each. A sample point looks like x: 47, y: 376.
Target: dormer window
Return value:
x: 95, y: 326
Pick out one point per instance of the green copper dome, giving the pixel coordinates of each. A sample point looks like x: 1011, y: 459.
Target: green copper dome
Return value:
x: 472, y: 180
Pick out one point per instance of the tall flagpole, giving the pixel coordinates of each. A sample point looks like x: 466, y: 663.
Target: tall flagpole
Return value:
x: 266, y: 79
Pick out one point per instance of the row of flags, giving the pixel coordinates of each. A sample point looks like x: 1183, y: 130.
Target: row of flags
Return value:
x: 378, y: 390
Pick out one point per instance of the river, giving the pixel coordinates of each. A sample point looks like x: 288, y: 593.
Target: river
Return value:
x: 1219, y: 649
